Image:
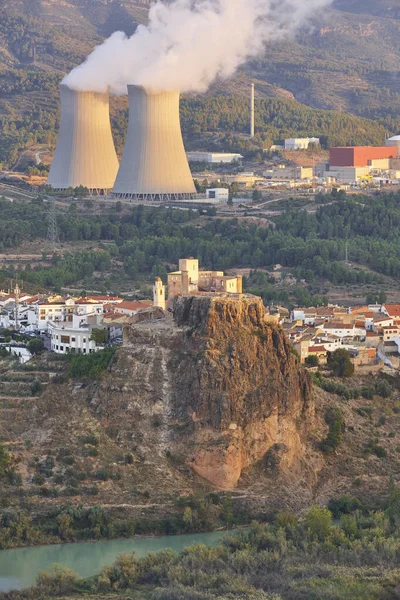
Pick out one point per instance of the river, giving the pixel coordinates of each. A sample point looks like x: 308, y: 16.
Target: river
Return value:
x: 19, y: 566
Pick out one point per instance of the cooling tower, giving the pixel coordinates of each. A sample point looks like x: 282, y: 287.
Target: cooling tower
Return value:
x: 154, y: 164
x: 85, y: 153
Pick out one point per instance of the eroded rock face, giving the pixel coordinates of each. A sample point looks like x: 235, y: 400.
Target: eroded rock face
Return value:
x: 215, y: 385
x: 242, y: 385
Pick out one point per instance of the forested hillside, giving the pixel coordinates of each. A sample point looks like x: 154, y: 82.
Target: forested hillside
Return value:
x: 145, y: 243
x: 348, y: 62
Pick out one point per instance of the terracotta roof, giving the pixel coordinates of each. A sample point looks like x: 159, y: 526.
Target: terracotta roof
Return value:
x: 359, y: 309
x: 338, y: 326
x: 104, y: 298
x: 317, y: 349
x: 135, y: 305
x: 393, y: 310
x: 382, y: 319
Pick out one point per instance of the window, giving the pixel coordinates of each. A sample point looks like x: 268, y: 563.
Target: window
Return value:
x: 84, y: 340
x: 65, y: 339
x: 62, y: 348
x: 73, y: 339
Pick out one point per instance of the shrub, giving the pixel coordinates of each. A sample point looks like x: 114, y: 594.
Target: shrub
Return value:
x: 5, y: 461
x: 383, y: 388
x: 58, y: 579
x: 90, y: 365
x: 286, y: 519
x: 340, y: 364
x: 380, y: 452
x: 334, y: 437
x: 91, y: 439
x: 348, y: 523
x: 121, y: 575
x: 36, y: 346
x: 343, y: 505
x: 103, y: 474
x: 372, y: 447
x: 381, y: 421
x: 319, y: 522
x: 312, y: 361
x: 365, y: 411
x: 36, y: 387
x: 128, y: 458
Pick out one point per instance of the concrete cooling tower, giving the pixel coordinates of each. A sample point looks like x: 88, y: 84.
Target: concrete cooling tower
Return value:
x: 154, y: 164
x: 85, y: 152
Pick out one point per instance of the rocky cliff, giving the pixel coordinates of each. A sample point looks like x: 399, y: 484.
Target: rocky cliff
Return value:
x: 214, y: 385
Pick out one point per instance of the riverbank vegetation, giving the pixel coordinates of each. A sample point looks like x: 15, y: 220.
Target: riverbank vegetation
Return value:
x: 294, y: 558
x: 69, y: 523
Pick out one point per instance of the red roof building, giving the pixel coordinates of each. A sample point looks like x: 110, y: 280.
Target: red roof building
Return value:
x: 360, y: 156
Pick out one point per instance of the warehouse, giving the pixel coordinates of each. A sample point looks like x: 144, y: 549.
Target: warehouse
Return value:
x: 360, y: 156
x: 213, y: 157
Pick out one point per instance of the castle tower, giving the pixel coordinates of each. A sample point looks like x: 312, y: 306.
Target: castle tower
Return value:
x: 159, y: 294
x: 154, y: 164
x: 85, y: 152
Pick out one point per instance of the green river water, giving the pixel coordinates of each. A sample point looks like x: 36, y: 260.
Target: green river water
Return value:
x: 19, y: 566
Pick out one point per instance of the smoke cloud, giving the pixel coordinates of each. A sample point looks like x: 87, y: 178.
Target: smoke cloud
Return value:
x: 187, y: 44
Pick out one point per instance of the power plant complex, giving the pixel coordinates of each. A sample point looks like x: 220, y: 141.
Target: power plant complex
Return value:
x: 154, y: 165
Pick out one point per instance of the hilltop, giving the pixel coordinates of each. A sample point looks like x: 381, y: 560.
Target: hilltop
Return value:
x: 210, y: 401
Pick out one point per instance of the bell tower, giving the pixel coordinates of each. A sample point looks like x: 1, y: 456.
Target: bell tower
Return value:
x: 159, y: 293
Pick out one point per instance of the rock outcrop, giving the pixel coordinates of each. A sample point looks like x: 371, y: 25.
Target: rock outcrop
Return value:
x: 214, y: 384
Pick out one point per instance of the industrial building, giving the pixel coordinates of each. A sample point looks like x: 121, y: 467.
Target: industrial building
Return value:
x: 348, y: 174
x: 213, y: 157
x: 294, y: 172
x: 368, y: 164
x: 360, y: 156
x: 394, y: 142
x: 85, y: 152
x: 301, y: 143
x: 220, y: 194
x: 154, y: 164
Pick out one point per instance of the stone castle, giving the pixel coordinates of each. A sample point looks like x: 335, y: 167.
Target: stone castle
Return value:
x: 189, y: 280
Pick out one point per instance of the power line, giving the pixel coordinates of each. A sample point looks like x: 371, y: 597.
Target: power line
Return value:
x: 52, y: 231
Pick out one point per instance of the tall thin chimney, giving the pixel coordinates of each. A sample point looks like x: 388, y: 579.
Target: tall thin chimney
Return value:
x: 252, y: 112
x: 154, y: 164
x: 85, y: 152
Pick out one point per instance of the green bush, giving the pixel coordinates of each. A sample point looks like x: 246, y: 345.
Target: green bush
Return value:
x: 343, y: 505
x: 340, y: 364
x: 58, y: 580
x: 319, y: 522
x: 334, y: 437
x: 90, y: 365
x: 36, y: 387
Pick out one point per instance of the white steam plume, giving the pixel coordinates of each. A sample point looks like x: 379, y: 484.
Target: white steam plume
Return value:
x: 189, y: 43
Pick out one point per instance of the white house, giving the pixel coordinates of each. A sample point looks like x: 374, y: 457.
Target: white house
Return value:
x: 343, y: 331
x: 305, y: 315
x: 75, y: 340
